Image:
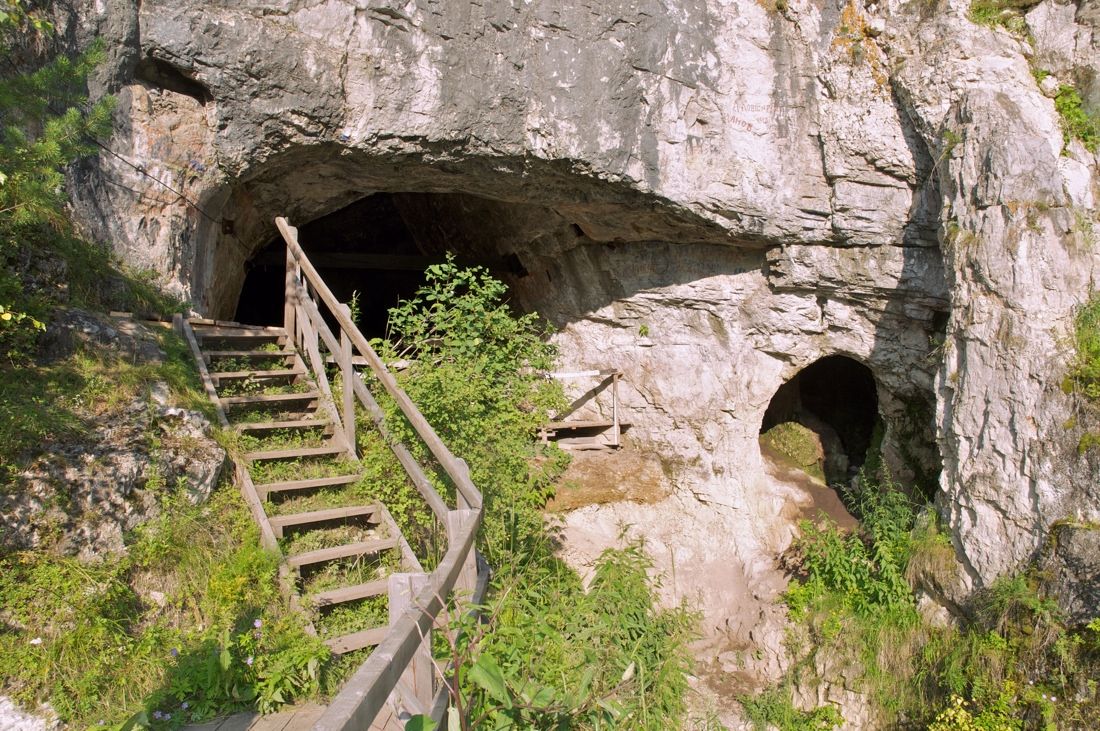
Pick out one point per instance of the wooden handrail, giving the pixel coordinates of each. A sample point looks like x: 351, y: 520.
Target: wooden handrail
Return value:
x: 455, y: 469
x: 366, y: 693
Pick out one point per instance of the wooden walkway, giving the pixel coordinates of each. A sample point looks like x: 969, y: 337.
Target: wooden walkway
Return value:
x: 299, y: 718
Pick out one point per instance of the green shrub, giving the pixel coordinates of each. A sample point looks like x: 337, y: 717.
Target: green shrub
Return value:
x: 556, y: 656
x: 1006, y: 14
x: 774, y: 708
x: 1076, y: 122
x: 865, y: 569
x: 1084, y: 373
x: 475, y: 373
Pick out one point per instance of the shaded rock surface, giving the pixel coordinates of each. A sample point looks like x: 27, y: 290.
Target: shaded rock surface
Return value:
x: 1071, y: 571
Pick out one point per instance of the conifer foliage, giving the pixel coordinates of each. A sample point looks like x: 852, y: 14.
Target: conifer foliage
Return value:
x: 46, y: 123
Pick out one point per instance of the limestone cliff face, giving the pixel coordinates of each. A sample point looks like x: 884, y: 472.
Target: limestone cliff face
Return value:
x: 707, y: 194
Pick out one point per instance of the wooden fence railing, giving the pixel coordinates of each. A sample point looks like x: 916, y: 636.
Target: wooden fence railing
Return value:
x: 399, y: 664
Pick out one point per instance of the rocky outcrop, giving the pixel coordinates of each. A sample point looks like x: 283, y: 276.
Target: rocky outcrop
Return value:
x: 707, y: 195
x: 86, y: 492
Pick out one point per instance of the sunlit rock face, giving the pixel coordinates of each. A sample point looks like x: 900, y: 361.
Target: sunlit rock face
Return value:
x: 707, y: 195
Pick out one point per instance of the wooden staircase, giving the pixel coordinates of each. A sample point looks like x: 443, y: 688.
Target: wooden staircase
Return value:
x: 299, y: 473
x: 266, y: 394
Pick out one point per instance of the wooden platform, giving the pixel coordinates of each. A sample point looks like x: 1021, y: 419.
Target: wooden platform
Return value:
x: 299, y: 718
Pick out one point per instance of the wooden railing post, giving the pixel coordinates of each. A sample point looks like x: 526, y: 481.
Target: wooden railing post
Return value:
x: 347, y: 375
x: 419, y: 674
x: 467, y: 577
x: 290, y: 294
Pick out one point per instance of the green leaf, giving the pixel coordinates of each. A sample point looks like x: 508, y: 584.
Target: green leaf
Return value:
x: 487, y: 674
x: 136, y: 721
x: 420, y: 723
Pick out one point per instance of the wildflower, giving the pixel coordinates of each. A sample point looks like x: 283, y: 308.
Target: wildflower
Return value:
x: 157, y: 715
x: 258, y: 623
x: 175, y: 652
x: 248, y: 661
x: 184, y: 705
x: 36, y: 641
x: 1053, y: 699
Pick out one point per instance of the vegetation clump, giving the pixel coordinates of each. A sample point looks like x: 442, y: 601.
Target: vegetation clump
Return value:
x: 187, y: 624
x: 551, y: 655
x: 799, y: 445
x: 1084, y: 373
x: 1077, y: 122
x: 1012, y: 664
x: 1007, y: 14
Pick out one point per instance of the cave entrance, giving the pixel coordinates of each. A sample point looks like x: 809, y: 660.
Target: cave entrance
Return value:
x: 826, y: 418
x: 373, y: 251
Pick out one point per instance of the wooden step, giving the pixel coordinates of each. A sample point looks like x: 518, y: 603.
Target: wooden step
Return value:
x: 239, y: 333
x: 241, y: 375
x: 349, y: 593
x: 279, y: 522
x: 202, y: 323
x: 210, y: 354
x: 331, y: 554
x: 273, y: 454
x: 358, y: 640
x: 270, y: 487
x: 564, y: 425
x: 273, y: 425
x: 270, y: 398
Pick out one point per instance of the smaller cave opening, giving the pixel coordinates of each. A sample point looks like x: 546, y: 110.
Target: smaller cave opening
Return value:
x: 164, y: 75
x: 835, y: 400
x: 372, y: 253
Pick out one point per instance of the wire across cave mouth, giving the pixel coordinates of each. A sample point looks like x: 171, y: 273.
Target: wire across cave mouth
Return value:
x: 836, y: 398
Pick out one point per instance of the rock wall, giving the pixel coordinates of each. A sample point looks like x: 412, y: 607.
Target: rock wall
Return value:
x: 707, y: 194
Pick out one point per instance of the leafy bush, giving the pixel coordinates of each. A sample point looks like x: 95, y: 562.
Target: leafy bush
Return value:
x: 553, y: 655
x: 774, y: 708
x: 1084, y: 374
x: 565, y: 658
x: 1076, y: 122
x: 475, y: 373
x: 1005, y: 669
x: 867, y: 569
x: 1006, y: 14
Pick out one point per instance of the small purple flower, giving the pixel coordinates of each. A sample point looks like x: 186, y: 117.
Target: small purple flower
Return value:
x: 157, y: 715
x: 167, y: 716
x: 248, y: 661
x: 185, y: 705
x: 257, y: 624
x: 175, y: 652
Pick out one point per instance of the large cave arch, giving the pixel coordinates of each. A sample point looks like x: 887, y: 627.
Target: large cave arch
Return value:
x: 374, y: 252
x: 837, y: 399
